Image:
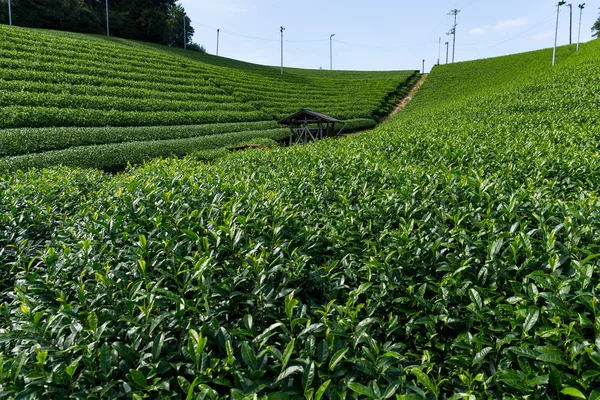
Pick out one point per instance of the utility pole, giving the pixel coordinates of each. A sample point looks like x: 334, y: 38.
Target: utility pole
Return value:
x: 560, y: 3
x: 331, y: 52
x: 447, y: 43
x: 107, y: 27
x: 571, y: 24
x: 581, y: 7
x: 184, y: 33
x: 455, y: 13
x: 439, y: 50
x: 9, y: 14
x: 281, y: 30
x: 218, y: 31
x: 423, y: 65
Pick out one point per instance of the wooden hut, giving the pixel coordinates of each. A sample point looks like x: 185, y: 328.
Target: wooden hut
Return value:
x: 308, y: 125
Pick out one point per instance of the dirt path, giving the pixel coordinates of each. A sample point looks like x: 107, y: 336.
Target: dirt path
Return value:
x: 409, y: 97
x: 398, y: 107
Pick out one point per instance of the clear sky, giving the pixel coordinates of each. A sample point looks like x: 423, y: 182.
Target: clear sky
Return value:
x: 380, y: 34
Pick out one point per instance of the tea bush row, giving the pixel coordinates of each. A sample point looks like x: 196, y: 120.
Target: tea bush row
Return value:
x: 14, y: 142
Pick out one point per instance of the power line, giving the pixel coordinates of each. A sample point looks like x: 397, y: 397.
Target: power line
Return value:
x: 307, y: 41
x: 260, y: 38
x: 237, y: 34
x: 386, y: 47
x: 438, y: 28
x: 546, y: 19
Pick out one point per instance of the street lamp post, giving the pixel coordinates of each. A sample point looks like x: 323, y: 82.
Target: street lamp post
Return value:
x: 560, y: 3
x: 447, y: 49
x: 282, y: 29
x: 331, y: 52
x: 581, y: 7
x: 184, y: 33
x: 570, y: 23
x: 107, y: 24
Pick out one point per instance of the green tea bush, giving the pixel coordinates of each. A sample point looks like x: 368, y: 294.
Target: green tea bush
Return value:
x: 116, y: 156
x: 14, y: 142
x: 451, y: 253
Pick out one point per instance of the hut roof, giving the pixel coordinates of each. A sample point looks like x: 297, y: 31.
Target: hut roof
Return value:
x: 310, y: 116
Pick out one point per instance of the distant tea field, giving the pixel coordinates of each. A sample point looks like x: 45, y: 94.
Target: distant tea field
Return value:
x: 72, y: 99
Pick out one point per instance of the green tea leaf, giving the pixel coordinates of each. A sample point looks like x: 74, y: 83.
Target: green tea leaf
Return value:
x: 287, y: 372
x: 391, y: 390
x: 311, y: 329
x: 93, y: 321
x: 514, y: 379
x: 552, y: 358
x: 157, y: 346
x: 363, y: 390
x: 138, y: 379
x: 308, y: 376
x: 530, y: 320
x: 322, y: 389
x: 322, y: 351
x: 425, y: 381
x: 190, y: 234
x: 289, y: 349
x: 248, y: 355
x: 72, y: 368
x: 337, y: 358
x: 525, y: 352
x: 17, y: 365
x: 184, y: 384
x: 476, y: 298
x: 570, y: 391
x: 555, y: 379
x: 481, y: 355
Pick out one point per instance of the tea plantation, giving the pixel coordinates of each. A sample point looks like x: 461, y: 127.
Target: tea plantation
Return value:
x: 452, y: 252
x: 52, y: 82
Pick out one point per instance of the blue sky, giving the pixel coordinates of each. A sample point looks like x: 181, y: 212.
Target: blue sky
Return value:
x: 379, y: 34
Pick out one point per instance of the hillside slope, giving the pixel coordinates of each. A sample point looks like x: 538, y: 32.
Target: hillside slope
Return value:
x: 452, y: 252
x: 63, y: 80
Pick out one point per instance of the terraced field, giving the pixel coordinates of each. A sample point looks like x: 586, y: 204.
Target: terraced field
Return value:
x: 56, y: 79
x: 452, y: 253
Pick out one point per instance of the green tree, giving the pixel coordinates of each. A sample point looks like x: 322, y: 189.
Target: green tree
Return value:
x: 71, y: 15
x: 596, y: 28
x: 175, y: 20
x: 157, y: 21
x: 144, y: 20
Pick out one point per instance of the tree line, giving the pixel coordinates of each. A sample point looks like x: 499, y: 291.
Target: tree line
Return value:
x: 156, y: 21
